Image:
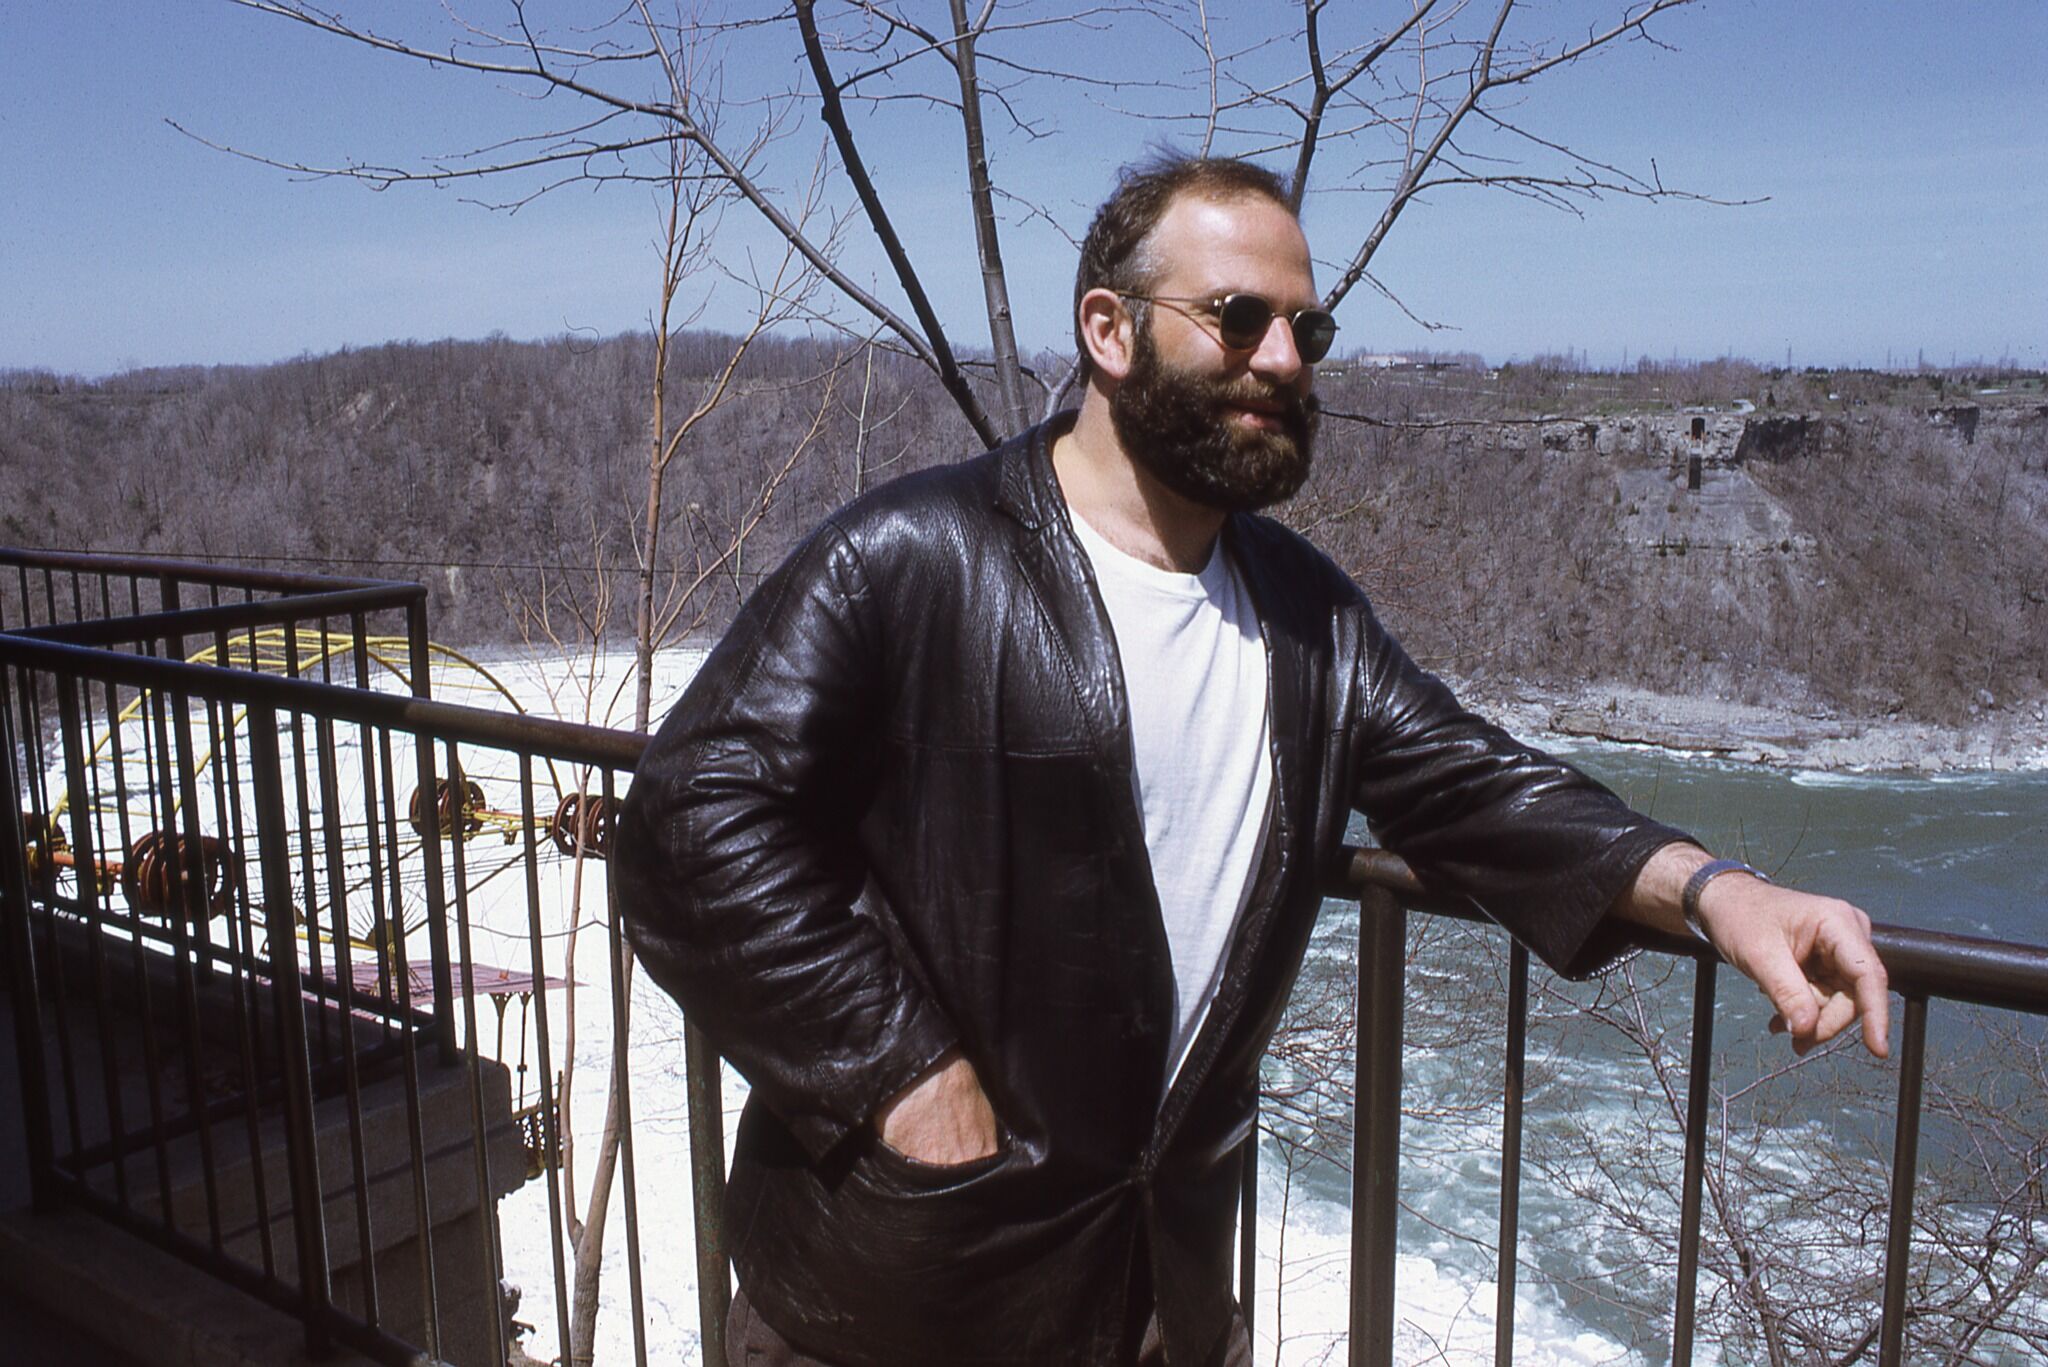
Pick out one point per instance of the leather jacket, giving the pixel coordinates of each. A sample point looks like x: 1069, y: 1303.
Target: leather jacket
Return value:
x: 894, y: 813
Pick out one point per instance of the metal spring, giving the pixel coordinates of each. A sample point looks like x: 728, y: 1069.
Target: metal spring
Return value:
x: 585, y: 820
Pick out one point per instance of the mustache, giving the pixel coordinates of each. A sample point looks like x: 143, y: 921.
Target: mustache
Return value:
x: 1251, y: 392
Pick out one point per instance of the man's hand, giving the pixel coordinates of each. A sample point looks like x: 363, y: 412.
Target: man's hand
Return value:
x: 1811, y: 956
x: 942, y: 1118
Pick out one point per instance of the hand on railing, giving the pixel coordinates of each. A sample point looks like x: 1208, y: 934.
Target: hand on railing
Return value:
x: 1810, y: 955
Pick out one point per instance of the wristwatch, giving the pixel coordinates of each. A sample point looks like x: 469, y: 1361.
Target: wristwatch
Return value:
x: 1689, y: 899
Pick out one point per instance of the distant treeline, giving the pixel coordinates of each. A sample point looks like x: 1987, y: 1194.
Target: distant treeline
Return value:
x: 501, y: 473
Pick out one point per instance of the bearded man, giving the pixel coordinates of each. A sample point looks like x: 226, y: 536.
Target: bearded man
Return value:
x: 987, y: 842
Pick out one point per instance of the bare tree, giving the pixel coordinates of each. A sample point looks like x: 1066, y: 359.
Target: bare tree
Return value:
x: 1421, y: 102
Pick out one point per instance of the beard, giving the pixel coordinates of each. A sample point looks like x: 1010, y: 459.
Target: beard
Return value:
x: 1173, y: 424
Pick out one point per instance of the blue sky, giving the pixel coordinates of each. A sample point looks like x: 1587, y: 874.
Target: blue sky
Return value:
x: 1900, y: 151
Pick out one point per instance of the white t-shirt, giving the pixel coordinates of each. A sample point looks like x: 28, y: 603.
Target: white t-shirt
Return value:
x: 1194, y: 667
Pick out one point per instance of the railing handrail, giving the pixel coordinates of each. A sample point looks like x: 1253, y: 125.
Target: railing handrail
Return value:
x: 2011, y: 975
x: 573, y: 742
x: 205, y: 621
x: 170, y: 567
x: 1983, y: 971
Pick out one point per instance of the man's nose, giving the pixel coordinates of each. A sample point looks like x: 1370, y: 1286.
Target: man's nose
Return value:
x: 1277, y: 357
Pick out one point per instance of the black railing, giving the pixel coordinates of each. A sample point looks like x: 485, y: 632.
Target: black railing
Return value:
x: 215, y: 878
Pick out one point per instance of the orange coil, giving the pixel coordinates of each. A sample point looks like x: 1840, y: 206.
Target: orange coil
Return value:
x: 159, y: 878
x: 457, y: 804
x: 585, y: 820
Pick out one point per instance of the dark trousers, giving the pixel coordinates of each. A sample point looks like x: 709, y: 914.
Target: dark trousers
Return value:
x: 750, y: 1342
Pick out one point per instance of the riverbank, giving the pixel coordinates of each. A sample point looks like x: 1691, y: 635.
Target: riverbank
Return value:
x: 2002, y: 739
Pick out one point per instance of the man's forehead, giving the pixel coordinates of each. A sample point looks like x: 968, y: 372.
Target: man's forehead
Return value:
x: 1231, y: 242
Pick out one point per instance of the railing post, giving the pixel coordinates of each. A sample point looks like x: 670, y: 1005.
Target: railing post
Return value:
x: 1248, y: 1224
x: 1891, y: 1333
x: 280, y: 932
x: 1513, y: 1087
x: 1697, y: 1095
x: 420, y: 662
x: 1376, y: 1164
x: 707, y: 1188
x: 22, y: 985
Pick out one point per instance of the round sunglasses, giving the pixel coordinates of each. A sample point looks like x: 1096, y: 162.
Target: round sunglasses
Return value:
x: 1242, y: 320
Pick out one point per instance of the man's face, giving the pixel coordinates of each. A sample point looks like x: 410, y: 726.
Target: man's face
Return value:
x: 1225, y: 428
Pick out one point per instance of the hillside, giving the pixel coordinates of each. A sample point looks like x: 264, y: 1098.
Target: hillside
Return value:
x: 1870, y: 546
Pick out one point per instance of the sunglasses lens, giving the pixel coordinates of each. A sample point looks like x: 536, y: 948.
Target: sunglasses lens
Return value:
x: 1243, y: 321
x: 1314, y: 333
x: 1244, y: 318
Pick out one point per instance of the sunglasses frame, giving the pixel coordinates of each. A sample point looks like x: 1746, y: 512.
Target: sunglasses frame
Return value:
x: 1214, y: 305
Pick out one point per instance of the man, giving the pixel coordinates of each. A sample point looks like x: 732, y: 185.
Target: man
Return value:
x: 987, y: 842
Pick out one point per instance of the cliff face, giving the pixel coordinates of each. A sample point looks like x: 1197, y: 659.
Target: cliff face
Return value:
x: 1872, y: 551
x: 1879, y: 562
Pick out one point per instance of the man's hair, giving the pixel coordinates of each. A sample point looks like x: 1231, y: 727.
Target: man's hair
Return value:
x: 1114, y: 255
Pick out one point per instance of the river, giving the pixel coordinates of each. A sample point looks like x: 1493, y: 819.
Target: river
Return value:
x: 1804, y: 1151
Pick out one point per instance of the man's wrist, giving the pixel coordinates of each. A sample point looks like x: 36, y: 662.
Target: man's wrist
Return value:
x: 1696, y: 887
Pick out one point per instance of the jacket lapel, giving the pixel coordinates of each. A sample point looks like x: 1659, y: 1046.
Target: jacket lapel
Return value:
x: 1055, y: 567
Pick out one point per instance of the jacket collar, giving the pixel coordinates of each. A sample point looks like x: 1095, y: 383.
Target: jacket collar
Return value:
x: 1026, y: 487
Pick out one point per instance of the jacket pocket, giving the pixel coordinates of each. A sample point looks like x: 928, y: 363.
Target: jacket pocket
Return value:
x: 893, y: 1170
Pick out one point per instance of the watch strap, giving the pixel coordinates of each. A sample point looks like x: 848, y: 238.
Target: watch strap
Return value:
x: 1689, y: 899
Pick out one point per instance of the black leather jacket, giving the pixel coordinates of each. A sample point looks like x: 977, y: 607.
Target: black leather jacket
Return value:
x: 894, y: 812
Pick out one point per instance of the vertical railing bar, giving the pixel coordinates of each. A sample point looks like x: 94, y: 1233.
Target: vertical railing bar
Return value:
x: 1248, y: 1225
x: 117, y: 755
x: 430, y: 849
x: 344, y: 984
x: 87, y: 869
x: 308, y: 878
x: 1376, y: 1161
x: 59, y: 997
x: 1698, y: 1093
x: 146, y: 700
x: 50, y: 594
x: 1514, y: 1093
x: 1898, y: 1241
x: 371, y: 812
x: 193, y: 952
x: 704, y: 1090
x: 119, y: 765
x: 295, y: 1062
x: 24, y: 984
x: 550, y: 1103
x: 622, y: 987
x: 409, y: 1048
x: 247, y: 1018
x: 153, y: 744
x: 431, y: 834
x: 84, y: 849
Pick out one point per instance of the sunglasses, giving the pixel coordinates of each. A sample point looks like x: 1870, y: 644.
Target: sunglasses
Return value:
x: 1242, y: 320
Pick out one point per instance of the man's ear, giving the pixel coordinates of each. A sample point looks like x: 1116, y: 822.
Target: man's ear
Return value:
x: 1108, y: 333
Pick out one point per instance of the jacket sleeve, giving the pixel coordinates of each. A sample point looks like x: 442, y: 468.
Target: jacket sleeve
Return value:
x: 740, y: 880
x: 1538, y: 846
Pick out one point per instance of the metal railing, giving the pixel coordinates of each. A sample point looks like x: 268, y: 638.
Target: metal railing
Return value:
x: 227, y: 1047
